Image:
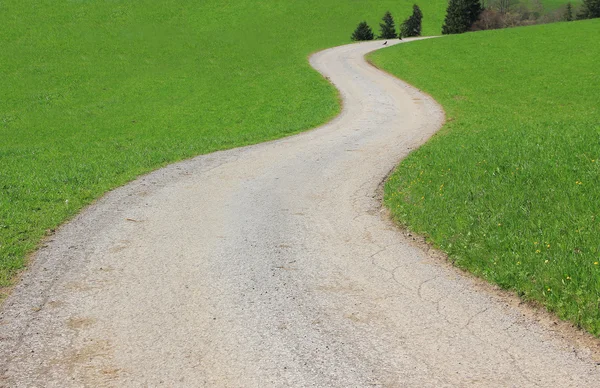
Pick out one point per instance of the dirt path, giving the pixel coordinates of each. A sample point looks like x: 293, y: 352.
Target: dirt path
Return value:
x: 272, y: 265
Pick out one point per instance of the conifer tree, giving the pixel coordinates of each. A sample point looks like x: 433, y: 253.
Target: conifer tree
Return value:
x: 362, y: 32
x: 412, y: 25
x: 589, y: 10
x: 388, y: 29
x: 568, y: 12
x: 460, y: 16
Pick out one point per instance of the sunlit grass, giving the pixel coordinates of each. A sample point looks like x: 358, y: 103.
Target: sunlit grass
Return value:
x: 510, y: 187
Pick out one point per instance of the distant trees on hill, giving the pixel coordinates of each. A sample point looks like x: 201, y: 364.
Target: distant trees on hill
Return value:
x: 461, y: 15
x: 589, y: 10
x: 511, y: 13
x: 412, y: 25
x: 568, y: 12
x: 387, y: 28
x: 471, y: 15
x: 362, y: 32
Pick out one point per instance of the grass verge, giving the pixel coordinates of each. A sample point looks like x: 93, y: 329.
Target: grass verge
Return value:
x: 509, y: 187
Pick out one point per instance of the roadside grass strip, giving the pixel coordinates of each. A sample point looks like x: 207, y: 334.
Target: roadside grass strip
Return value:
x: 510, y: 187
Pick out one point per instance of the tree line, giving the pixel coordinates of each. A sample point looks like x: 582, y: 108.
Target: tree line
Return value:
x: 409, y: 27
x: 472, y: 15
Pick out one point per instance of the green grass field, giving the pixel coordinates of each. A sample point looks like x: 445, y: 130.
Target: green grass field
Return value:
x: 510, y: 187
x: 95, y: 93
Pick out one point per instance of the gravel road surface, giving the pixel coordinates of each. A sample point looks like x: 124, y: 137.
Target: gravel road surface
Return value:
x: 274, y: 265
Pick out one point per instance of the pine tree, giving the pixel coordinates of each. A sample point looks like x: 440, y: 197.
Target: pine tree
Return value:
x: 412, y: 25
x: 388, y: 30
x: 362, y: 32
x: 568, y: 12
x: 589, y: 10
x: 460, y: 16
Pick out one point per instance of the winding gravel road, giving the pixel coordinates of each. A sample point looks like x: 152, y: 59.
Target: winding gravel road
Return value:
x: 274, y: 265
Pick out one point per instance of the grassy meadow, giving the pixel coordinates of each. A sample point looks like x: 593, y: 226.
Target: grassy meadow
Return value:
x: 95, y: 93
x: 510, y: 187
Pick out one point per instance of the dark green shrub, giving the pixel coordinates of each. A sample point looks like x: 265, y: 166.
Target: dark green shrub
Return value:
x: 568, y: 12
x: 461, y: 15
x: 589, y: 10
x: 362, y: 32
x: 412, y: 25
x: 387, y: 28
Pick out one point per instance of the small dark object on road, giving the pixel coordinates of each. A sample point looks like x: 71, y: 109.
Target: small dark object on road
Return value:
x: 384, y: 43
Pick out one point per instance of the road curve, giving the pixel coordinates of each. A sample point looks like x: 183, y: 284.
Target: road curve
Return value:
x: 272, y: 265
